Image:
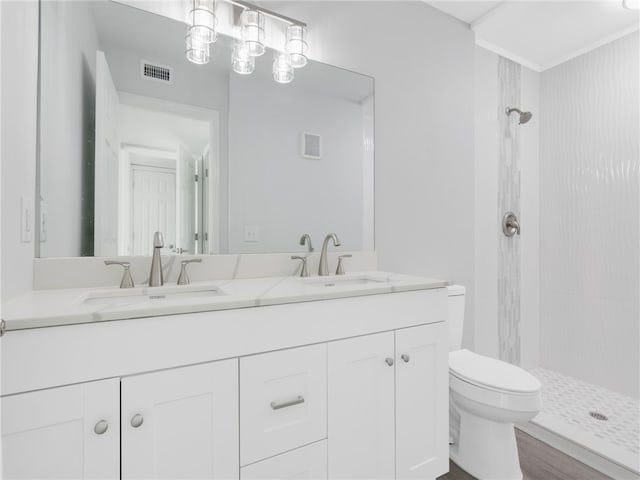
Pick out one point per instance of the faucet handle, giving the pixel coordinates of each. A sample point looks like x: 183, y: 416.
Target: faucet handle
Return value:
x: 127, y: 281
x: 183, y: 278
x: 304, y: 272
x: 340, y: 268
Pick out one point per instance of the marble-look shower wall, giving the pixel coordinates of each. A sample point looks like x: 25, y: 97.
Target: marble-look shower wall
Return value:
x: 508, y: 201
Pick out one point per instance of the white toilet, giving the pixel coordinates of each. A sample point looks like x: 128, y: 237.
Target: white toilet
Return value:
x: 486, y: 397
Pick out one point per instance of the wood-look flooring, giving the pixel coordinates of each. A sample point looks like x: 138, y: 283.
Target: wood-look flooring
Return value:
x: 539, y: 461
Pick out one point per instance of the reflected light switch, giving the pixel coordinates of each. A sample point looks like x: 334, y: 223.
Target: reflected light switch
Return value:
x: 251, y: 233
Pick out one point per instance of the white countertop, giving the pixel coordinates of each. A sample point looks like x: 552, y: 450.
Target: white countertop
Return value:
x: 47, y: 308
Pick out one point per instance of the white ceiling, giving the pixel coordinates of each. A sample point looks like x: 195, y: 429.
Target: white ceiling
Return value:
x: 543, y: 34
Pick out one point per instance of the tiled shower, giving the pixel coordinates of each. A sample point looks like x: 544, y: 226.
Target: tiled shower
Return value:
x: 589, y: 246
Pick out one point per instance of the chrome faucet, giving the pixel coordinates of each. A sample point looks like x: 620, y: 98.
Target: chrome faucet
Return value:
x: 156, y: 278
x: 323, y: 269
x: 306, y: 238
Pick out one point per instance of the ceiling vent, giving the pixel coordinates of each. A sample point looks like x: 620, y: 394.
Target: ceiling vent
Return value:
x: 156, y: 72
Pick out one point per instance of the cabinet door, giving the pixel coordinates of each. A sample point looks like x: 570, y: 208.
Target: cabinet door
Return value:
x: 361, y: 407
x: 68, y: 432
x: 309, y: 463
x: 422, y: 402
x: 181, y: 423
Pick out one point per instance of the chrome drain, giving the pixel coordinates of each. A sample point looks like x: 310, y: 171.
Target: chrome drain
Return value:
x: 599, y: 416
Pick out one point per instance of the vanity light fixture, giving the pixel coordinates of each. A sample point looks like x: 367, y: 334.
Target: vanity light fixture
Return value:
x: 241, y: 61
x: 282, y: 68
x: 252, y: 28
x: 202, y: 20
x: 297, y: 45
x: 196, y: 50
x: 202, y: 24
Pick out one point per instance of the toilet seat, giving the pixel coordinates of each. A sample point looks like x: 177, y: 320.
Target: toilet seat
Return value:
x: 491, y: 373
x: 492, y: 382
x: 508, y: 401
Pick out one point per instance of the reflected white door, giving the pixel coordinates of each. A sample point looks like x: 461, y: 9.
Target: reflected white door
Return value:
x: 106, y: 162
x: 153, y: 200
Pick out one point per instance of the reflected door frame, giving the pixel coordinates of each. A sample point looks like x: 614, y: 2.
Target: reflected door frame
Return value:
x: 125, y: 187
x: 212, y: 168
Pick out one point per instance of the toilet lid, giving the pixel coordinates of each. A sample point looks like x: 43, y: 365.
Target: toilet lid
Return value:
x: 492, y: 373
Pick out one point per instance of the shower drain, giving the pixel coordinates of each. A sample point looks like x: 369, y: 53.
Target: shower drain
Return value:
x: 599, y: 416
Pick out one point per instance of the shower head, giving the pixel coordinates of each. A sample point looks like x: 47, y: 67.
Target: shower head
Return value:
x: 524, y: 116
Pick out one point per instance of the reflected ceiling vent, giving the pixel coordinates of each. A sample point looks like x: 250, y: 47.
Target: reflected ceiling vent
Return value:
x: 156, y: 72
x: 311, y: 145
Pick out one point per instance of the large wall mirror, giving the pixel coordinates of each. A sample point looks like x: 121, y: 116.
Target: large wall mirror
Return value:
x: 217, y: 161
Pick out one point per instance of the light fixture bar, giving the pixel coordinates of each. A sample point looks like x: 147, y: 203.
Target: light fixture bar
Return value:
x: 268, y: 13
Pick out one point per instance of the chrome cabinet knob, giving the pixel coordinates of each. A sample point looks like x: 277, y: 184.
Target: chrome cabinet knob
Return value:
x: 137, y: 420
x: 405, y: 357
x: 389, y: 361
x: 101, y: 427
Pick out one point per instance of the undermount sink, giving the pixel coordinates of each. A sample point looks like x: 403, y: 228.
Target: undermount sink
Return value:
x: 328, y: 282
x: 147, y: 294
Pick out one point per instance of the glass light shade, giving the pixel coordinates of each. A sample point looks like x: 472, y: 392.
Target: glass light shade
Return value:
x: 202, y: 20
x: 241, y: 61
x: 631, y: 4
x: 282, y: 69
x: 297, y: 45
x: 252, y: 24
x: 196, y: 50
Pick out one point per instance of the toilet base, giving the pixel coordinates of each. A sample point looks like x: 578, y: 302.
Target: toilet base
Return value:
x: 486, y: 449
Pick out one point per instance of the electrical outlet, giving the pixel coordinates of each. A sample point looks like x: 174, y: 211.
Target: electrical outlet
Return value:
x: 26, y: 221
x: 251, y: 233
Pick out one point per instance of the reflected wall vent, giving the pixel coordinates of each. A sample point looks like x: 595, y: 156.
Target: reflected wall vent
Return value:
x: 311, y: 145
x: 156, y: 72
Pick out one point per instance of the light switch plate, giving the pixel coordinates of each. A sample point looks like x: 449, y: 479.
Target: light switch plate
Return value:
x: 251, y: 233
x: 26, y: 221
x: 43, y: 221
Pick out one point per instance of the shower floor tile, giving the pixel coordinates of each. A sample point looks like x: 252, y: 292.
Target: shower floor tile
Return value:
x: 601, y: 416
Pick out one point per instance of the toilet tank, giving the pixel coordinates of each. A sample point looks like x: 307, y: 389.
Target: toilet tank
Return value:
x: 456, y: 316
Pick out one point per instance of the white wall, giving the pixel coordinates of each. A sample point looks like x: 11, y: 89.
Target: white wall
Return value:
x: 272, y: 187
x: 487, y: 220
x: 151, y: 128
x: 69, y: 45
x: 18, y: 98
x: 589, y: 217
x: 422, y: 61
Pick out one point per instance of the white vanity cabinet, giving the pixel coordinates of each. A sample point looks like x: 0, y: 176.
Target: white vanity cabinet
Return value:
x: 343, y: 388
x: 181, y: 423
x: 68, y: 432
x: 388, y: 409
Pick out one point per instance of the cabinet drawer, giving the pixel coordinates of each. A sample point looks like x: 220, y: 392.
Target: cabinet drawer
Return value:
x: 308, y: 462
x: 283, y: 401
